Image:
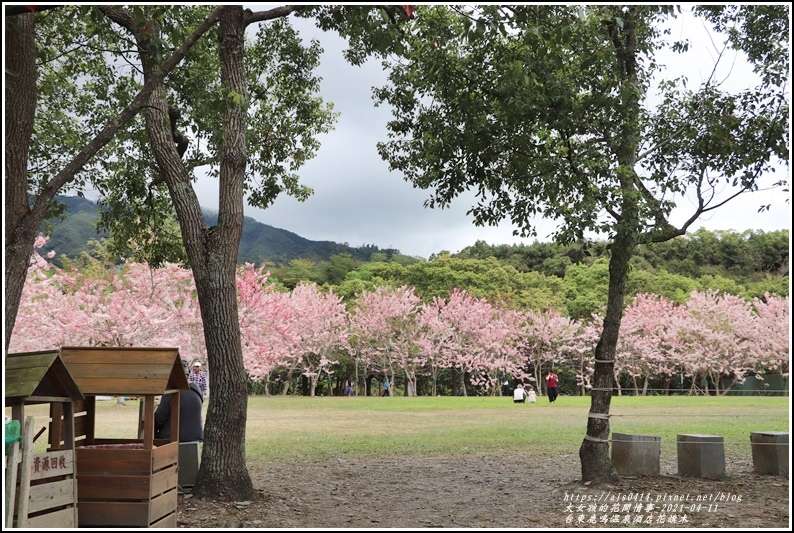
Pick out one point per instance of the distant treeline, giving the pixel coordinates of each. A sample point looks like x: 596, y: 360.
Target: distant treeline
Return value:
x: 749, y: 255
x: 572, y: 279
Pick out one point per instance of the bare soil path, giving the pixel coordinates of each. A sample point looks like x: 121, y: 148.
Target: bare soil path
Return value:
x: 469, y: 491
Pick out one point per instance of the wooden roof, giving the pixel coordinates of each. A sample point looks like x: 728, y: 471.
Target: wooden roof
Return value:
x: 120, y: 371
x: 39, y: 377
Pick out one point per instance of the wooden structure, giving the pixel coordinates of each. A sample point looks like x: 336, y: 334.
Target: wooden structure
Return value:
x: 41, y: 487
x: 124, y: 482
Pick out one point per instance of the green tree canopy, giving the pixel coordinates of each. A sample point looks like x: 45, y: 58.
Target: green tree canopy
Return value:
x: 554, y: 112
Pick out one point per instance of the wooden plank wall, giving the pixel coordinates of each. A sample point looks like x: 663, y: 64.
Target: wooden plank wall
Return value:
x: 122, y: 486
x: 47, y: 487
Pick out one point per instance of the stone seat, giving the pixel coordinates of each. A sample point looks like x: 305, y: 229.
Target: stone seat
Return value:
x: 635, y: 454
x: 701, y: 455
x: 770, y: 452
x: 189, y: 460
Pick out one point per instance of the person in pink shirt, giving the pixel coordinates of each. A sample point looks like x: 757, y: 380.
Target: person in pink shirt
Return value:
x: 551, y: 385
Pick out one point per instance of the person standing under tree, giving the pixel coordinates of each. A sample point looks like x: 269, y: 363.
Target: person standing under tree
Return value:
x: 198, y: 377
x: 551, y: 385
x: 385, y: 386
x: 190, y: 404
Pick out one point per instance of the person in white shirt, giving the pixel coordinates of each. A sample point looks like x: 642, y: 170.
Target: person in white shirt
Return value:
x: 519, y: 395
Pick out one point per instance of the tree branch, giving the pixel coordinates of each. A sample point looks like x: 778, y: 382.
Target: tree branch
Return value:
x: 110, y: 129
x: 120, y: 16
x: 250, y: 17
x: 20, y: 10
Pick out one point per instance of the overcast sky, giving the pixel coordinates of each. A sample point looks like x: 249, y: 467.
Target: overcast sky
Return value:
x: 358, y: 201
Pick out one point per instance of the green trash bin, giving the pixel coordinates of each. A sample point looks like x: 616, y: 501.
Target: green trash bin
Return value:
x: 12, y: 434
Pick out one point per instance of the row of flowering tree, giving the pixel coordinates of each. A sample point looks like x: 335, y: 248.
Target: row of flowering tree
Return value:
x: 712, y: 337
x: 391, y: 332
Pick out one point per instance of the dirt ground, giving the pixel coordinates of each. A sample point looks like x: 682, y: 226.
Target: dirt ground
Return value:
x: 469, y: 491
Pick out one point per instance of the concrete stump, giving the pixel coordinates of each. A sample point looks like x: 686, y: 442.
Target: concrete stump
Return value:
x: 701, y: 455
x: 189, y: 460
x: 636, y: 455
x: 770, y: 452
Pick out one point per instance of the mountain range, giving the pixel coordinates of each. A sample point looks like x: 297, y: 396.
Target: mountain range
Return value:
x: 260, y: 242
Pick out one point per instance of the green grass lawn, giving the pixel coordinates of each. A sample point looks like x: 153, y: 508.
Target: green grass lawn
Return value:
x: 295, y: 428
x: 300, y: 428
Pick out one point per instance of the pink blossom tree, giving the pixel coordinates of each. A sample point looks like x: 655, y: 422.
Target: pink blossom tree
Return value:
x: 546, y: 334
x: 432, y: 337
x: 578, y: 348
x: 134, y: 305
x: 267, y: 324
x: 649, y: 343
x: 717, y: 336
x: 771, y: 334
x: 474, y: 336
x: 323, y: 330
x: 384, y: 326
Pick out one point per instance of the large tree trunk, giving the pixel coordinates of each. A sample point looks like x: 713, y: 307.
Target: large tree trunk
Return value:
x: 20, y: 223
x: 223, y: 470
x: 213, y: 258
x: 594, y: 451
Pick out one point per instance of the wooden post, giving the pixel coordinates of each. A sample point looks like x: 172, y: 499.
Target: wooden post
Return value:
x: 90, y: 419
x: 56, y: 426
x: 175, y: 397
x: 24, y: 478
x: 147, y: 413
x: 70, y: 445
x: 141, y: 418
x: 12, y: 468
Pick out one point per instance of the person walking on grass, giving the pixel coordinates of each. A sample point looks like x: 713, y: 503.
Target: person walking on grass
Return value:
x: 551, y: 385
x: 531, y: 396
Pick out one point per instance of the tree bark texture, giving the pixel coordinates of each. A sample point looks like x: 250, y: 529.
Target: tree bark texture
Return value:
x: 20, y: 107
x: 223, y: 469
x: 212, y: 253
x: 594, y: 451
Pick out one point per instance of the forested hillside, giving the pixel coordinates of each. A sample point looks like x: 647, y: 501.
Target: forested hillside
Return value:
x: 569, y: 278
x: 572, y: 279
x: 260, y: 242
